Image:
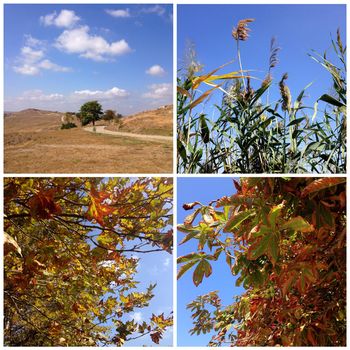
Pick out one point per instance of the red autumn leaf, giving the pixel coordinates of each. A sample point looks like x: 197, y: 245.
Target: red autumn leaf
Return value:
x: 98, y: 210
x: 43, y: 206
x: 310, y: 337
x: 189, y: 206
x: 156, y: 336
x: 321, y: 184
x: 237, y: 186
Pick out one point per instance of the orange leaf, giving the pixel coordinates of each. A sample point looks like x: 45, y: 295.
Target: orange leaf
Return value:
x: 42, y: 204
x: 98, y: 210
x: 322, y: 183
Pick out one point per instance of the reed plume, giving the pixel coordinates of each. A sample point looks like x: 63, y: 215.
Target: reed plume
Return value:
x: 285, y: 94
x: 241, y: 32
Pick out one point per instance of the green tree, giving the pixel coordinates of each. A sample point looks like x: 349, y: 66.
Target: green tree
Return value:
x: 70, y: 276
x: 90, y: 112
x: 109, y: 114
x: 285, y: 239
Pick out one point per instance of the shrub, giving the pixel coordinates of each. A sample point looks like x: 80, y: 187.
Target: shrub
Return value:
x: 68, y: 126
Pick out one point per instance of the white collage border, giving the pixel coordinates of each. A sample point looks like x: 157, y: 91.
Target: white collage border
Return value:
x: 173, y: 174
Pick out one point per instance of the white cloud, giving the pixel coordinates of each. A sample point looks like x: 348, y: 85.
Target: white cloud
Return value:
x: 26, y: 69
x: 157, y: 9
x: 39, y: 95
x: 30, y: 55
x: 32, y: 59
x: 156, y: 70
x: 99, y: 94
x: 136, y: 316
x: 33, y: 42
x: 119, y: 13
x: 166, y: 262
x: 94, y: 47
x: 76, y: 96
x: 65, y: 19
x: 47, y: 64
x: 159, y: 91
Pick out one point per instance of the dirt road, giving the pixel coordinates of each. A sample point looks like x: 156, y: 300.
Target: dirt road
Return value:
x: 100, y: 129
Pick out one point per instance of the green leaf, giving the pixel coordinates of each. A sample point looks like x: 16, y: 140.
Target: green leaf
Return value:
x: 189, y: 236
x: 203, y: 268
x: 275, y: 212
x: 237, y: 219
x: 205, y: 134
x: 331, y: 100
x: 274, y: 248
x: 297, y: 224
x: 259, y: 248
x: 189, y: 257
x: 326, y: 216
x: 181, y: 150
x: 187, y: 229
x: 257, y: 278
x: 185, y: 268
x: 207, y: 268
x: 296, y: 121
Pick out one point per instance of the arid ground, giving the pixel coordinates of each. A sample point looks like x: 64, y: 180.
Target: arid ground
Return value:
x: 34, y: 143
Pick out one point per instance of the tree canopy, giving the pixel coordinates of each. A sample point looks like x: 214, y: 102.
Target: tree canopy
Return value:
x: 284, y: 238
x: 70, y: 272
x: 90, y: 112
x: 109, y: 114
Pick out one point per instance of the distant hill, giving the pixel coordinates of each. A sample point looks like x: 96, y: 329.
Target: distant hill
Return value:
x: 158, y: 122
x: 33, y: 119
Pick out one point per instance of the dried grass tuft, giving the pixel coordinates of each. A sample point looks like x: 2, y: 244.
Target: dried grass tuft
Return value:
x: 285, y: 94
x: 241, y: 32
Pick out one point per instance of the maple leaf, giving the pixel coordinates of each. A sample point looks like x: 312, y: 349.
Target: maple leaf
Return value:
x: 98, y: 210
x: 156, y: 336
x: 42, y: 204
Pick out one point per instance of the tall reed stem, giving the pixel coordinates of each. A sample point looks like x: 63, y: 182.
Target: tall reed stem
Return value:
x: 240, y: 63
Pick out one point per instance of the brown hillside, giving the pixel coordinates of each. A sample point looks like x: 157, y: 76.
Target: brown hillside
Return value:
x: 32, y: 120
x: 155, y: 122
x: 34, y: 143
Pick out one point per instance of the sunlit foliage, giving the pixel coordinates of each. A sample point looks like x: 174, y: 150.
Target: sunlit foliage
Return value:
x: 284, y: 239
x: 70, y: 272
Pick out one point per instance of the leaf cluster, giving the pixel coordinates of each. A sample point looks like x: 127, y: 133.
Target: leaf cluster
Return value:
x: 284, y: 239
x: 70, y: 276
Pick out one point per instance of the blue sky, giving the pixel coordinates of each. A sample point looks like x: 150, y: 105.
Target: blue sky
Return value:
x: 297, y: 28
x: 204, y: 190
x: 155, y: 268
x: 61, y: 56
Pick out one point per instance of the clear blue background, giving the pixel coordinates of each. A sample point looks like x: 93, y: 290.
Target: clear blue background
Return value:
x: 155, y: 268
x: 297, y: 28
x: 149, y: 35
x: 204, y: 190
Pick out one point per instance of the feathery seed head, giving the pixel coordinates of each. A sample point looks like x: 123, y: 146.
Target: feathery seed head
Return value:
x: 285, y: 94
x: 241, y: 32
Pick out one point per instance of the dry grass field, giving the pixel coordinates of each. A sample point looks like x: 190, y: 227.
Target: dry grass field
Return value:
x: 155, y: 122
x: 34, y: 143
